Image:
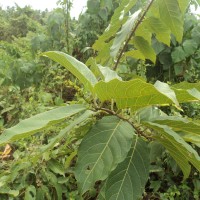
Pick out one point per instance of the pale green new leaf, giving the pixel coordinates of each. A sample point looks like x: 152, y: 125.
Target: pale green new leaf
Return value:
x: 171, y: 15
x: 181, y: 151
x: 135, y: 54
x: 144, y: 32
x: 123, y: 33
x: 187, y: 91
x: 133, y: 94
x: 38, y: 123
x: 183, y: 4
x: 108, y: 74
x: 156, y: 26
x: 77, y: 68
x: 101, y: 150
x: 192, y: 95
x: 166, y: 90
x: 143, y: 46
x: 187, y: 86
x: 128, y: 180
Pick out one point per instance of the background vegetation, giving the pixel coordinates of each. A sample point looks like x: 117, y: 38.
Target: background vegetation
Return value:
x: 42, y: 166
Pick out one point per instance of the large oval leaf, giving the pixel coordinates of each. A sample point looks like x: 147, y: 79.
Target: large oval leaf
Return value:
x: 171, y: 15
x: 133, y: 94
x: 77, y: 68
x: 128, y: 180
x: 106, y: 145
x: 39, y: 122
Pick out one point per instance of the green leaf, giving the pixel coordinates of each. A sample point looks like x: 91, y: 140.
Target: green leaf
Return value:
x: 56, y: 167
x: 7, y: 190
x: 93, y: 5
x: 187, y: 86
x: 77, y: 68
x: 133, y: 94
x: 156, y: 26
x: 143, y: 46
x: 190, y: 95
x: 167, y: 91
x: 179, y: 69
x: 106, y: 145
x: 65, y: 132
x: 123, y: 33
x: 178, y: 54
x: 170, y: 15
x: 183, y: 4
x: 128, y: 180
x: 115, y: 23
x: 30, y: 193
x: 38, y: 123
x: 189, y: 47
x: 105, y: 41
x: 188, y: 130
x: 108, y: 74
x: 181, y: 151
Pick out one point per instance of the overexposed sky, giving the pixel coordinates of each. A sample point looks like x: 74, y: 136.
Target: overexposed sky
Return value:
x: 78, y: 5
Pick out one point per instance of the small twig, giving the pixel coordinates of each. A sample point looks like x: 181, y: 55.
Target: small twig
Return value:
x: 132, y: 33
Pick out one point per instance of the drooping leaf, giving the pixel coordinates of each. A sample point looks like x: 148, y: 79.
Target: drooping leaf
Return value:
x: 166, y: 90
x: 123, y: 33
x: 181, y: 151
x: 144, y: 32
x: 135, y: 54
x: 170, y: 14
x: 133, y: 94
x: 106, y: 145
x: 191, y: 95
x: 128, y: 180
x: 108, y: 74
x: 38, y: 123
x: 188, y: 130
x: 77, y: 68
x: 160, y: 29
x: 143, y: 46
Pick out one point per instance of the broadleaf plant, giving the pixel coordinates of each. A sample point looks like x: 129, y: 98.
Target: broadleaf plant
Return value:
x: 113, y: 156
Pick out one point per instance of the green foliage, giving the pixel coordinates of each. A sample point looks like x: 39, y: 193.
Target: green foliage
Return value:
x: 109, y: 142
x: 131, y: 175
x: 115, y: 127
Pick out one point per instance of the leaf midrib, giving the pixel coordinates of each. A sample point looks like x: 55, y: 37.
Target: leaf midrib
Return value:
x: 114, y: 130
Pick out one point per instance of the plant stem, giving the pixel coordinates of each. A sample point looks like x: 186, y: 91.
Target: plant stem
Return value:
x: 139, y: 132
x: 132, y: 33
